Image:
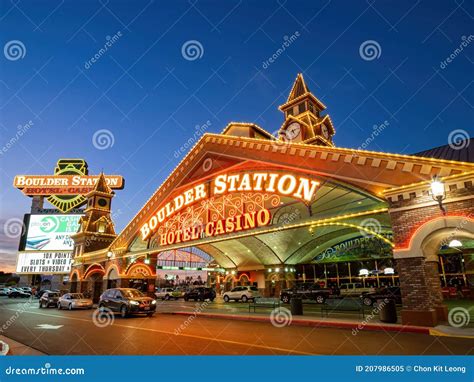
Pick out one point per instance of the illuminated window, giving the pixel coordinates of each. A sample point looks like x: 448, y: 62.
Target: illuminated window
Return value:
x: 101, y: 227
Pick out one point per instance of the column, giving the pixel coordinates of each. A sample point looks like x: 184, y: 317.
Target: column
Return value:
x: 415, y: 285
x: 434, y: 284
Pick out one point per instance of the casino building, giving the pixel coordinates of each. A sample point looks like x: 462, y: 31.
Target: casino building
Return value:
x: 274, y: 211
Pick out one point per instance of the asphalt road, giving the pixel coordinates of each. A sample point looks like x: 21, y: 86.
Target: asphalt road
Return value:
x: 77, y: 332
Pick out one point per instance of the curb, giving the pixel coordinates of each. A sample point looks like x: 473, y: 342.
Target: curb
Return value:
x: 439, y: 333
x: 313, y: 323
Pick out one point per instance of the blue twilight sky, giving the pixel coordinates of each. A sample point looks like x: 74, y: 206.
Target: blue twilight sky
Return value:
x: 150, y: 93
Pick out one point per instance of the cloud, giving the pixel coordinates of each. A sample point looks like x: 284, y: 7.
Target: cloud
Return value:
x: 7, y: 261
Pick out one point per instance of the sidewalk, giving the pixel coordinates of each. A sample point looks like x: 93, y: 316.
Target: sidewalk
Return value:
x: 341, y: 323
x: 17, y: 348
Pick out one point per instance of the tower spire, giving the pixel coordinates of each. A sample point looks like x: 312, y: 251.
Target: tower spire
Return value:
x: 299, y: 88
x: 303, y: 120
x: 101, y: 185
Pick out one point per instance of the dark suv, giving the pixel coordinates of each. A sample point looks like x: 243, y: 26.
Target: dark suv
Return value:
x: 306, y: 292
x: 127, y: 301
x: 200, y: 294
x: 49, y: 299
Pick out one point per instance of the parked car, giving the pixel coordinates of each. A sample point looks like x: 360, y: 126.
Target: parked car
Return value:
x: 40, y: 292
x: 49, y: 299
x: 306, y: 291
x: 4, y: 291
x: 354, y: 289
x: 200, y: 294
x: 18, y: 293
x: 242, y: 293
x: 391, y: 292
x: 127, y: 301
x: 73, y: 301
x: 178, y: 293
x: 164, y: 293
x: 169, y: 293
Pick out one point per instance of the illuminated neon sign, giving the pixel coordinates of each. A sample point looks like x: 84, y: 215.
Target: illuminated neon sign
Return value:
x: 265, y: 182
x: 66, y: 188
x: 62, y: 185
x: 231, y: 224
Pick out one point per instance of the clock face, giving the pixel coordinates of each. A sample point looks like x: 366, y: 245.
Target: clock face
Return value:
x: 293, y: 131
x: 102, y: 202
x: 324, y: 131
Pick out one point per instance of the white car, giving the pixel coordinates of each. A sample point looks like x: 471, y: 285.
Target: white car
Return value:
x: 242, y: 293
x: 164, y: 293
x: 74, y: 301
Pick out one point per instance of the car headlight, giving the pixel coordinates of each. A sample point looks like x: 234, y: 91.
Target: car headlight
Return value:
x: 153, y: 302
x: 134, y: 303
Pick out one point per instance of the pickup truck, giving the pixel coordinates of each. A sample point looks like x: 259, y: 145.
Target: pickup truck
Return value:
x: 354, y: 289
x: 306, y: 292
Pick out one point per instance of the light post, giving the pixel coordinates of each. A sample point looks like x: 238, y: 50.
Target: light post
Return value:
x: 438, y: 193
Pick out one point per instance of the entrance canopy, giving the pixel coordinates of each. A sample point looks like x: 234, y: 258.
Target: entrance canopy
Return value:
x: 297, y: 229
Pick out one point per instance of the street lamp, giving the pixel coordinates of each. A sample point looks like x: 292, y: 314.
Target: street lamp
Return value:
x: 438, y: 193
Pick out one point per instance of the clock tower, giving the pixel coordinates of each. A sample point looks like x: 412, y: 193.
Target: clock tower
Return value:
x: 304, y: 122
x: 96, y: 229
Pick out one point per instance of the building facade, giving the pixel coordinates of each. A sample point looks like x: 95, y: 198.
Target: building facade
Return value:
x: 272, y: 211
